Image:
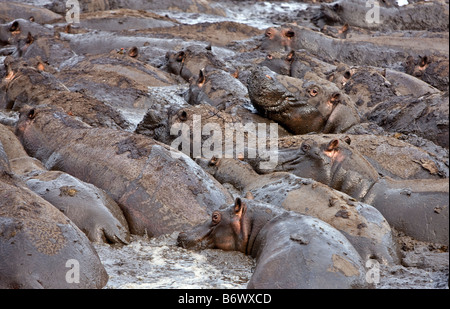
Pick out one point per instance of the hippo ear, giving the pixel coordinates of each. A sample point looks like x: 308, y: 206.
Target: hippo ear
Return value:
x: 423, y: 61
x: 31, y: 113
x: 291, y: 56
x: 239, y: 207
x: 214, y: 161
x: 335, y: 98
x: 201, y: 78
x: 347, y: 139
x: 333, y: 145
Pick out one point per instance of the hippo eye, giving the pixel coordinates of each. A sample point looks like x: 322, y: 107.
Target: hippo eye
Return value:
x: 216, y: 217
x: 313, y: 92
x: 305, y: 147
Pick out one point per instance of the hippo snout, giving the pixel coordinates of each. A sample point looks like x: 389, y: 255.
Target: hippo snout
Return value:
x: 182, y: 240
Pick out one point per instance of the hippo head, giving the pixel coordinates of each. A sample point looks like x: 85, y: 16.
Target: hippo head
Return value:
x: 301, y: 106
x: 227, y: 229
x: 278, y: 39
x: 188, y: 62
x: 332, y: 162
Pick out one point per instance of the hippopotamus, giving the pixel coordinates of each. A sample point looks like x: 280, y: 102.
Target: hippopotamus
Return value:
x: 432, y: 69
x: 414, y: 16
x: 297, y: 64
x: 159, y: 189
x: 292, y: 251
x: 30, y: 86
x: 39, y: 15
x: 217, y: 88
x: 363, y: 225
x: 426, y: 116
x: 188, y: 62
x: 40, y: 247
x: 372, y: 49
x: 418, y: 207
x: 90, y: 208
x: 301, y: 106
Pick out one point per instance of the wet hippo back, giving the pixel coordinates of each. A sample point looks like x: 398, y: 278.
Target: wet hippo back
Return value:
x: 157, y: 192
x: 39, y: 245
x: 318, y: 256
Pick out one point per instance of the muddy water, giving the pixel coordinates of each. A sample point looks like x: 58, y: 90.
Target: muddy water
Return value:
x: 158, y: 263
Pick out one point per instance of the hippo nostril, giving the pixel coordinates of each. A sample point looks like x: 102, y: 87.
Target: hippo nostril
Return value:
x: 183, y: 116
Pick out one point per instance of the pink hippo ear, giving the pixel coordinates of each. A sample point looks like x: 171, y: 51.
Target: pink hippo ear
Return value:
x: 333, y: 145
x: 201, y: 79
x: 239, y: 207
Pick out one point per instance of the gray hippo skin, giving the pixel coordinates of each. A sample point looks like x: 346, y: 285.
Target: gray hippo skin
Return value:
x: 158, y: 193
x: 416, y: 16
x: 362, y: 224
x: 292, y: 251
x: 417, y: 207
x: 301, y: 106
x: 89, y: 207
x: 40, y: 247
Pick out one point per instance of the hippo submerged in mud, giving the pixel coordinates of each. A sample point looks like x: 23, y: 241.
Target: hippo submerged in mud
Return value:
x: 157, y: 192
x: 363, y: 225
x: 417, y: 207
x: 291, y: 250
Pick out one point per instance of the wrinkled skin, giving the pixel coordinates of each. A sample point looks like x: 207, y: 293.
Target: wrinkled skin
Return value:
x: 37, y: 241
x: 291, y: 250
x: 341, y: 167
x: 311, y: 105
x: 363, y: 225
x: 158, y: 194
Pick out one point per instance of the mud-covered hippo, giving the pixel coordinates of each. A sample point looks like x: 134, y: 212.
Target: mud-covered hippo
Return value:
x: 418, y: 207
x: 363, y: 225
x: 89, y: 207
x: 188, y: 62
x: 40, y: 247
x: 416, y: 16
x: 217, y: 88
x: 432, y: 69
x: 292, y: 251
x: 159, y: 189
x: 31, y: 86
x: 301, y: 106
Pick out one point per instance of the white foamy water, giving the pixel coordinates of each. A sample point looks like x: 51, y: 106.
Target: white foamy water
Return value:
x: 257, y: 15
x: 157, y: 263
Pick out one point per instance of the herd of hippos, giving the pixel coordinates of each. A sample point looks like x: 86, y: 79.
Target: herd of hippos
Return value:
x: 363, y: 120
